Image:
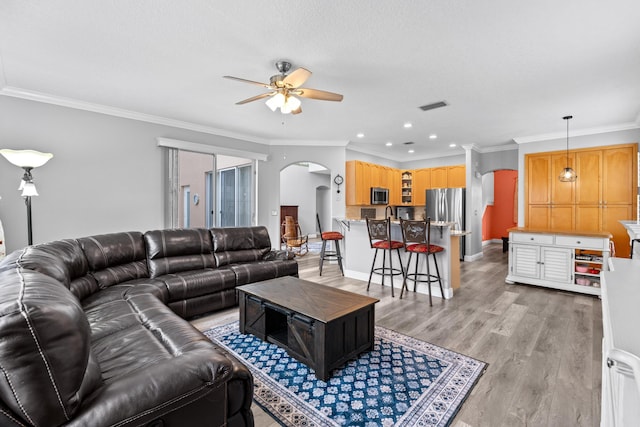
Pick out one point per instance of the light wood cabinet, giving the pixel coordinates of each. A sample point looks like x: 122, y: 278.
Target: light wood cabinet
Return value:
x: 395, y: 186
x: 456, y: 176
x: 439, y: 177
x: 602, y: 195
x: 618, y: 173
x: 357, y: 183
x: 589, y: 171
x: 421, y: 182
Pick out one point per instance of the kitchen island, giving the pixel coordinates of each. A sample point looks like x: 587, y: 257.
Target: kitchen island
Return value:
x: 358, y: 255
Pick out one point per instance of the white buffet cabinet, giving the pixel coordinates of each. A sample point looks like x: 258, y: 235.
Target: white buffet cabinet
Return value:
x: 621, y: 344
x: 571, y: 261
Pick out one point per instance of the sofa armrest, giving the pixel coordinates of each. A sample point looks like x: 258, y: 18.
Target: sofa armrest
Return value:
x: 278, y: 255
x: 161, y: 389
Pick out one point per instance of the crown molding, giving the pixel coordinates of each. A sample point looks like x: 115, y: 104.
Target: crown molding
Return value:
x: 309, y: 142
x: 400, y: 159
x: 581, y: 132
x: 30, y: 95
x: 497, y: 148
x: 209, y: 149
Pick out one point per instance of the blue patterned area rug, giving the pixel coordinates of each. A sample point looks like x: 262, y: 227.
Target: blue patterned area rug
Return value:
x: 402, y: 382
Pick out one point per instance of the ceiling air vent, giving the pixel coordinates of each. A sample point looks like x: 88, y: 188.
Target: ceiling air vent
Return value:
x: 408, y: 143
x: 433, y: 106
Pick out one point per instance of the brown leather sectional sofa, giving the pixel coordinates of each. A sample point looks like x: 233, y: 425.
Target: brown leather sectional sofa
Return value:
x: 92, y: 330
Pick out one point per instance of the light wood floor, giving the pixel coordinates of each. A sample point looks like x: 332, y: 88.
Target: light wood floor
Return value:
x: 543, y: 346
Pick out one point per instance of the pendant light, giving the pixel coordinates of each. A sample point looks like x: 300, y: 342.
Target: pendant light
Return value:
x: 568, y: 174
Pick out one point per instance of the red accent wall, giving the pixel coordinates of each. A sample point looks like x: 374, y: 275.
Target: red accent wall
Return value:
x: 497, y: 219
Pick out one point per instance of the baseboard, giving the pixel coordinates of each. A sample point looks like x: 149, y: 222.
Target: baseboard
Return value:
x: 491, y: 241
x: 474, y: 257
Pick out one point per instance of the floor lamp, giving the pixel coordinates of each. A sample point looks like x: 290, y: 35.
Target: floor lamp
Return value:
x: 27, y: 160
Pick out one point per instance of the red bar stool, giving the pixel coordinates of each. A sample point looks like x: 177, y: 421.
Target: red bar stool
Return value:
x: 330, y: 236
x: 380, y: 238
x: 416, y: 236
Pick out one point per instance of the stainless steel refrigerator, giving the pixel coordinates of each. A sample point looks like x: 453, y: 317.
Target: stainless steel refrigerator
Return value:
x: 447, y: 204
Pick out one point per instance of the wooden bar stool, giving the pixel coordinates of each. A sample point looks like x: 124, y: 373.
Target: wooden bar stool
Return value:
x: 330, y: 236
x: 416, y: 236
x: 380, y: 238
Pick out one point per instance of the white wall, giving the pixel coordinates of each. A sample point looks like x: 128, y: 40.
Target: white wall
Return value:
x: 107, y: 173
x: 298, y: 188
x: 281, y: 156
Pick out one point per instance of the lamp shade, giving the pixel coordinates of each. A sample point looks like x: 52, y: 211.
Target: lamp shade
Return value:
x: 29, y: 189
x: 26, y: 158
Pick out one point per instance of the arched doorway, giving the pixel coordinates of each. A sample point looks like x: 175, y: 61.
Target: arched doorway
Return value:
x: 305, y: 189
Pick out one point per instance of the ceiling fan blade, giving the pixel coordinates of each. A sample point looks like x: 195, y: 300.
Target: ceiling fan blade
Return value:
x: 255, y: 98
x: 297, y: 110
x: 248, y: 81
x: 322, y: 95
x: 297, y: 77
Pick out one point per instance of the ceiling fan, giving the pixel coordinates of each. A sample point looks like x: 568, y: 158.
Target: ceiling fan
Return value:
x: 282, y: 88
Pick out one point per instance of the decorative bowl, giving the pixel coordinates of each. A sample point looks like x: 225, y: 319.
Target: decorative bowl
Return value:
x: 582, y: 268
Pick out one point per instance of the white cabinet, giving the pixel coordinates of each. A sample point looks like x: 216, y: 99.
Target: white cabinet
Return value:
x: 561, y: 261
x: 620, y: 344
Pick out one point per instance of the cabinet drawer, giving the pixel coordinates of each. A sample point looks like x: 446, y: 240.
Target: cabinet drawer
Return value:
x: 532, y: 238
x: 580, y: 242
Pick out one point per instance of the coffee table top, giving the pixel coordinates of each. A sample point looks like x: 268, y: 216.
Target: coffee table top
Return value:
x: 319, y: 302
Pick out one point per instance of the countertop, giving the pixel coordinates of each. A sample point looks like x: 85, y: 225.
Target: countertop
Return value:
x: 561, y: 232
x: 442, y: 224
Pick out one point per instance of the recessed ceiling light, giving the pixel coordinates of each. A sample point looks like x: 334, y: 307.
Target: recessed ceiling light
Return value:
x: 411, y: 151
x: 360, y: 135
x: 389, y: 144
x: 452, y: 145
x: 433, y: 136
x: 408, y: 125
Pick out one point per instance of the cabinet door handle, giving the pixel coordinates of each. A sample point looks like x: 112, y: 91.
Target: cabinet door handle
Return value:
x: 578, y: 242
x: 532, y: 238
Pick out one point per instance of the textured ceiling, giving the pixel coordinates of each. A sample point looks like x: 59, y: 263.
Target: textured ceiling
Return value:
x: 508, y: 69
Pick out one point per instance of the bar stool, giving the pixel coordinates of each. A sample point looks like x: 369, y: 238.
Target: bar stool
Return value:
x: 330, y: 236
x: 380, y: 238
x: 416, y: 236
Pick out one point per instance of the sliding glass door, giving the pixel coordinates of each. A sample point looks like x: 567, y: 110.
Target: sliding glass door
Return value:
x: 234, y: 191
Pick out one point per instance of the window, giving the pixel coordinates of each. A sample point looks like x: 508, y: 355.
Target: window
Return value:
x: 234, y: 192
x: 186, y: 206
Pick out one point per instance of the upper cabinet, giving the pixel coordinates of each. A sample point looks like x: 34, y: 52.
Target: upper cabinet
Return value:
x: 439, y: 177
x: 456, y: 176
x: 421, y: 182
x: 406, y: 187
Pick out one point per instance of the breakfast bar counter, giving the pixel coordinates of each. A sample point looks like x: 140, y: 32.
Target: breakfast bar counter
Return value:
x: 358, y: 255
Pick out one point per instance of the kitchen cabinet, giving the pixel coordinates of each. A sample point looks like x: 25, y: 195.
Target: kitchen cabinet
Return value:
x: 602, y: 194
x: 395, y: 186
x: 357, y: 183
x: 620, y: 404
x: 421, y: 182
x: 456, y: 176
x: 439, y: 177
x: 567, y: 261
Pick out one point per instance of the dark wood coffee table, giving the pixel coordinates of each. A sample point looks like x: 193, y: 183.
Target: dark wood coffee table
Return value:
x: 318, y: 325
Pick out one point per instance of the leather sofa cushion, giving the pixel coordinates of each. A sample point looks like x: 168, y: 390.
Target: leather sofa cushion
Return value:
x: 173, y: 251
x: 63, y: 260
x: 115, y: 258
x: 205, y: 303
x: 48, y: 367
x: 263, y: 270
x: 189, y: 284
x: 240, y: 244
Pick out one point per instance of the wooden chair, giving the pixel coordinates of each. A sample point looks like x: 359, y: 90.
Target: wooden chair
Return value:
x: 292, y: 237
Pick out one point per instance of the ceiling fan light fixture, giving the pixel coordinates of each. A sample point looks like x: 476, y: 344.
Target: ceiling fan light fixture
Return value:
x: 291, y: 103
x: 276, y: 101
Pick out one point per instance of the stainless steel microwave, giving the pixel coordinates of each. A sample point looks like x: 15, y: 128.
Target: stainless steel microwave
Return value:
x: 379, y: 196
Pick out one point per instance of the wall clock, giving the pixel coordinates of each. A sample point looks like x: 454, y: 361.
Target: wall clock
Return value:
x: 338, y: 180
